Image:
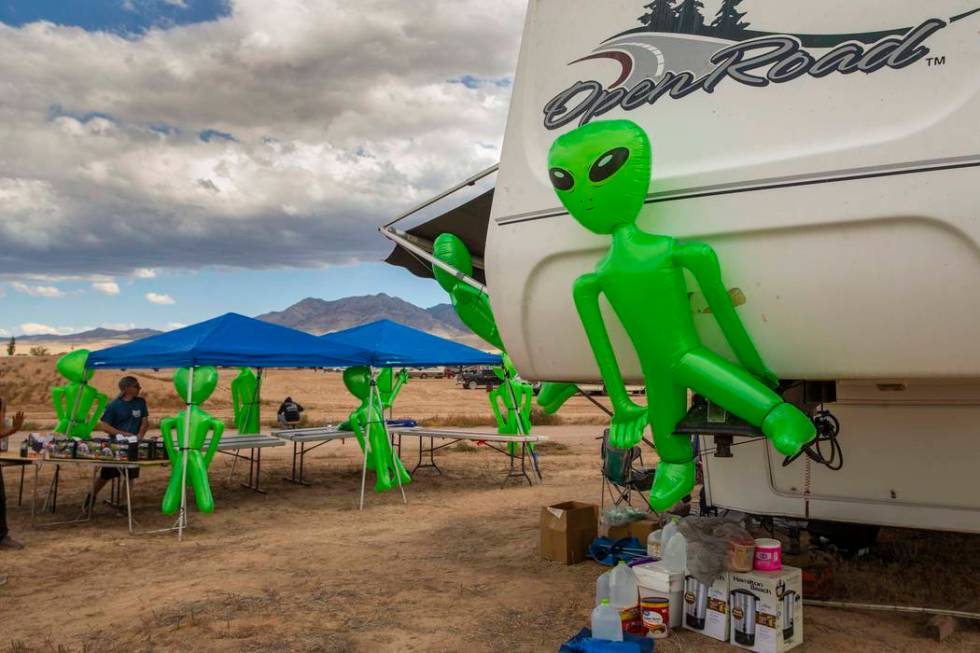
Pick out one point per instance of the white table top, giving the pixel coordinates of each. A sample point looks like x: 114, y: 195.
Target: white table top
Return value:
x: 466, y: 435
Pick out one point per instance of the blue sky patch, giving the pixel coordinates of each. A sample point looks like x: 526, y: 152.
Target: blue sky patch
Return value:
x: 470, y: 81
x: 209, y: 135
x: 124, y: 17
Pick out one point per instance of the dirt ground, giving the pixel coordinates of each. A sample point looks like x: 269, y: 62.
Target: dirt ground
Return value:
x: 456, y: 569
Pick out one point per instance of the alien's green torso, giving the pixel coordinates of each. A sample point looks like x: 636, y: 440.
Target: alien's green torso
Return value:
x: 201, y: 425
x: 642, y: 261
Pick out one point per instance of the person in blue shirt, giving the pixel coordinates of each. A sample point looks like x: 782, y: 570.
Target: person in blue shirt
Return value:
x: 125, y: 415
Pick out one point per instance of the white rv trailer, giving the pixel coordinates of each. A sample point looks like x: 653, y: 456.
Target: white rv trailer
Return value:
x: 830, y: 153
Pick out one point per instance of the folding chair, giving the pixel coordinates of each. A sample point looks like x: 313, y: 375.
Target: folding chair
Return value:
x: 623, y: 474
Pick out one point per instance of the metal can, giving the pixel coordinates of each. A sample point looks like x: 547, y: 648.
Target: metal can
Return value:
x: 655, y: 612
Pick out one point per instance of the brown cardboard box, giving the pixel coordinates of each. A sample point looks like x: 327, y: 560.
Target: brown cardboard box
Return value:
x: 641, y: 529
x: 567, y: 530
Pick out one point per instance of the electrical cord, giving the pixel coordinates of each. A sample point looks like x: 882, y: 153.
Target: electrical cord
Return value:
x: 828, y: 428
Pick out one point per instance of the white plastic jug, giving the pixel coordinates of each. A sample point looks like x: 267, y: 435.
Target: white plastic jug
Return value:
x: 669, y: 530
x: 653, y: 544
x: 675, y: 553
x: 602, y: 588
x: 624, y: 593
x: 605, y: 623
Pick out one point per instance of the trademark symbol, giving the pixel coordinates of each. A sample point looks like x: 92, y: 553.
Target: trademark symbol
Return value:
x: 936, y: 61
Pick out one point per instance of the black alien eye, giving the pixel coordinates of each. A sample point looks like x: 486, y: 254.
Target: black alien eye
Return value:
x: 607, y: 164
x: 561, y: 179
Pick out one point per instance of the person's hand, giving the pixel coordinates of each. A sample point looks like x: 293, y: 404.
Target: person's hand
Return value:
x: 626, y: 428
x: 18, y: 421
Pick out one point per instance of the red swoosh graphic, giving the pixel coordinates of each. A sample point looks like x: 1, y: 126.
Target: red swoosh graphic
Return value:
x: 622, y: 58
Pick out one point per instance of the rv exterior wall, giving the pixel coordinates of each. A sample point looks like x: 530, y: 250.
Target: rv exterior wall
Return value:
x: 874, y: 276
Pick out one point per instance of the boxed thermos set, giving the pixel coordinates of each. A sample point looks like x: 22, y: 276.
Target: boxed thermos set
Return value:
x: 706, y: 606
x: 766, y: 609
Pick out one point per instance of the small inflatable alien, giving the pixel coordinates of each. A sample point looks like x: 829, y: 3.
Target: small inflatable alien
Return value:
x: 473, y: 308
x: 369, y: 427
x: 205, y: 380
x: 245, y: 401
x: 601, y: 174
x: 73, y: 401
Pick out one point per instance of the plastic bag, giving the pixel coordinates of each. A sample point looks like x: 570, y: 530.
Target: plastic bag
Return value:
x: 709, y: 544
x: 619, y: 515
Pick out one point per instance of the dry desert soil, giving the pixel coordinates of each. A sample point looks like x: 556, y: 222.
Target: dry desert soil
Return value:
x: 457, y: 568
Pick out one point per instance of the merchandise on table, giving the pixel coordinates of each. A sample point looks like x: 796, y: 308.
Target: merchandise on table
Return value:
x: 706, y: 607
x: 655, y: 613
x: 767, y: 610
x: 121, y: 449
x: 655, y: 579
x: 768, y: 555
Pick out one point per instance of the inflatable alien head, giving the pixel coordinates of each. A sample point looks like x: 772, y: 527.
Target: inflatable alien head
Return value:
x: 358, y: 381
x: 72, y: 366
x: 448, y: 248
x: 601, y: 173
x: 205, y: 380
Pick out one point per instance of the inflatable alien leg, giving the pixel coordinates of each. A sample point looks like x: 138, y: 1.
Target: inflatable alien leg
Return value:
x: 676, y: 469
x: 357, y: 380
x: 245, y: 401
x: 171, y: 497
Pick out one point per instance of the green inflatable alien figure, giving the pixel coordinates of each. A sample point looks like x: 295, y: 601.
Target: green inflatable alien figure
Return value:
x: 73, y: 401
x: 389, y: 385
x: 369, y: 426
x: 204, y: 381
x: 601, y: 174
x: 511, y: 401
x: 245, y: 401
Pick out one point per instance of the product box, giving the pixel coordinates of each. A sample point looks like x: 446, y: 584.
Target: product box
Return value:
x: 567, y: 530
x: 639, y: 529
x: 706, y: 608
x: 767, y: 609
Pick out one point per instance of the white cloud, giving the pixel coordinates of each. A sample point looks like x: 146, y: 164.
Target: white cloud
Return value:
x: 175, y: 325
x: 106, y: 287
x: 35, y: 329
x: 118, y: 326
x: 37, y: 291
x: 145, y: 273
x: 159, y: 298
x: 321, y: 119
x: 4, y: 332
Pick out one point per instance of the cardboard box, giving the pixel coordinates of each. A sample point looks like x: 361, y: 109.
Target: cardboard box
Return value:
x: 567, y: 530
x: 767, y: 610
x: 706, y: 607
x: 639, y: 529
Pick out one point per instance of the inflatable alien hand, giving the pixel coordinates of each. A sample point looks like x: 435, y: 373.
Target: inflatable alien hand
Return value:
x: 553, y: 395
x: 245, y: 401
x: 601, y: 174
x: 390, y: 385
x: 193, y: 439
x: 77, y: 405
x: 367, y: 423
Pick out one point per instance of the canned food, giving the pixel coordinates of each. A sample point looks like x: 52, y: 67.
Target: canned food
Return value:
x: 655, y: 612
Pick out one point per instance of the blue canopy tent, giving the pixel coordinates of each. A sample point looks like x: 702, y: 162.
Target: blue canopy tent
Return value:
x: 230, y: 340
x: 391, y: 344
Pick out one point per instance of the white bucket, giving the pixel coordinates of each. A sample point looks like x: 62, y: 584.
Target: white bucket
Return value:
x: 656, y: 580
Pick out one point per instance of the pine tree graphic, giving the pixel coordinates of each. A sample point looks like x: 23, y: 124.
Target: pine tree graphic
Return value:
x: 728, y: 21
x: 689, y: 17
x: 660, y: 16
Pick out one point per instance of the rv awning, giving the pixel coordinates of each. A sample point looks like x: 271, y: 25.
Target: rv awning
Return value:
x: 468, y: 221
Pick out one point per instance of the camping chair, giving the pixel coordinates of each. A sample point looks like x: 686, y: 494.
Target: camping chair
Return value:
x: 623, y: 473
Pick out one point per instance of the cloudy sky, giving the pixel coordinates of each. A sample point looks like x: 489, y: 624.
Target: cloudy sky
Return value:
x: 162, y: 161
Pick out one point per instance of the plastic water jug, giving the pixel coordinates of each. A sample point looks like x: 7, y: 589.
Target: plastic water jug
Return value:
x: 623, y: 591
x: 605, y: 623
x: 653, y: 544
x: 675, y: 553
x: 668, y: 532
x: 602, y: 588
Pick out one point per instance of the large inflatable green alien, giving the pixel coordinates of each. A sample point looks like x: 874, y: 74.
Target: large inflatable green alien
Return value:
x: 73, y: 401
x: 473, y: 308
x: 205, y: 379
x: 601, y: 174
x: 369, y: 426
x: 245, y: 401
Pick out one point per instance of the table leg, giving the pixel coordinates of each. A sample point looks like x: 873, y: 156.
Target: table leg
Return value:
x: 129, y: 504
x: 37, y: 466
x: 20, y: 492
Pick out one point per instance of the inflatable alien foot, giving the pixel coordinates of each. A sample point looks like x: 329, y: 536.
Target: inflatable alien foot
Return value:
x: 788, y: 429
x: 671, y: 483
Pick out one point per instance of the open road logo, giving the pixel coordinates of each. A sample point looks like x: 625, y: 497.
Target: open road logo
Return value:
x: 676, y: 38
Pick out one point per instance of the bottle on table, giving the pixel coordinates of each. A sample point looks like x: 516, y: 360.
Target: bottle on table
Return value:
x: 605, y: 623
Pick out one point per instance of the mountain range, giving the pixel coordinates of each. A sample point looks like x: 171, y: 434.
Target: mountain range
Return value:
x: 317, y: 316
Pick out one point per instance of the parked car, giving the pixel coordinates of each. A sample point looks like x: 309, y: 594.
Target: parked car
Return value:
x: 472, y: 379
x: 426, y: 372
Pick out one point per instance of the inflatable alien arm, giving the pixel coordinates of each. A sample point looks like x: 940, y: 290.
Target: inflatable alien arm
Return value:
x: 700, y: 259
x: 60, y: 406
x: 629, y: 419
x: 100, y: 403
x: 217, y: 427
x: 167, y: 426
